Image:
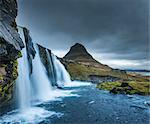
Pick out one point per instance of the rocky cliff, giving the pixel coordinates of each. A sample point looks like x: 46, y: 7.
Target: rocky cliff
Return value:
x: 10, y: 47
x: 46, y: 58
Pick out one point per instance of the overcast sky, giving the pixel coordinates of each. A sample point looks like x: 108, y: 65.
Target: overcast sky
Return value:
x: 115, y: 32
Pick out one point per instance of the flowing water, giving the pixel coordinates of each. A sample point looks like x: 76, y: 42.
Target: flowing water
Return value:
x: 41, y: 85
x: 33, y: 89
x: 62, y: 76
x: 23, y: 84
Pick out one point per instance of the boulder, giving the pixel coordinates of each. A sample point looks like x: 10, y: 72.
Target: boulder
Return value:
x: 124, y: 88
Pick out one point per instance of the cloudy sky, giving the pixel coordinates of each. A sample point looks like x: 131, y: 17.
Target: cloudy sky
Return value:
x: 115, y: 32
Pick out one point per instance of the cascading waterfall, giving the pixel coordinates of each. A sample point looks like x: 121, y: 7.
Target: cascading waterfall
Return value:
x: 37, y: 86
x: 61, y: 74
x: 40, y: 82
x: 33, y: 86
x: 23, y: 84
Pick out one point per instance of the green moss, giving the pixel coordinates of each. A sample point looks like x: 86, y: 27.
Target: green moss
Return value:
x: 108, y: 85
x: 15, y: 69
x: 19, y: 54
x: 1, y: 77
x: 0, y: 88
x: 141, y: 88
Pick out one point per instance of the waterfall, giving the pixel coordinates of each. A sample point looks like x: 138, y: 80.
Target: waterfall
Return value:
x: 34, y: 85
x: 23, y: 84
x: 37, y: 86
x: 31, y: 87
x: 61, y: 74
x: 40, y: 82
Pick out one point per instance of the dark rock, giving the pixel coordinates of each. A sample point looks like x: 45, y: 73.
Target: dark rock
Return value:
x: 8, y: 10
x: 10, y: 35
x: 8, y: 52
x: 29, y: 47
x: 102, y: 78
x: 124, y: 84
x: 76, y: 51
x: 46, y: 58
x: 10, y: 41
x: 10, y: 46
x: 125, y: 88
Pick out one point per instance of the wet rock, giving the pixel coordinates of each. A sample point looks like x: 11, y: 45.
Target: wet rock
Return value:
x: 46, y: 58
x: 30, y: 48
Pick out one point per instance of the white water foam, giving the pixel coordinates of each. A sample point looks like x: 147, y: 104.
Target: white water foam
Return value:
x: 77, y: 84
x: 62, y: 76
x: 33, y: 115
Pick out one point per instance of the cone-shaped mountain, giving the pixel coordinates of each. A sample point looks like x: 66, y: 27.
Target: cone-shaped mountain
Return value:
x: 78, y: 53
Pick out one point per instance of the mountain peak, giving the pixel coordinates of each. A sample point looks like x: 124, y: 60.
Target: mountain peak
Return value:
x: 79, y: 53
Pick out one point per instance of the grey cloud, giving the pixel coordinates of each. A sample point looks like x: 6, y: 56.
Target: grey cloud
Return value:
x: 106, y: 26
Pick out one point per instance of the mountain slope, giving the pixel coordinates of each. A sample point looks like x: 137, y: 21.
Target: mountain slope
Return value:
x: 78, y: 53
x: 82, y: 66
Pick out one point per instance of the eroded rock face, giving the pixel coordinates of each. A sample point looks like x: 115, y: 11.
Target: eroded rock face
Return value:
x: 29, y: 47
x: 46, y: 59
x: 10, y: 41
x: 8, y: 10
x: 10, y: 47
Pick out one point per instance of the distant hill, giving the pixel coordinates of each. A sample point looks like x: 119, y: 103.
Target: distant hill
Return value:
x: 82, y: 66
x: 135, y: 70
x: 78, y: 53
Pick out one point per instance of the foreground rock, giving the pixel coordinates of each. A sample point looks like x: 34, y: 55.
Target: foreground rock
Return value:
x: 10, y: 47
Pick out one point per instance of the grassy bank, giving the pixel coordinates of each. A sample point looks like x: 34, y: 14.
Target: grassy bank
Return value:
x: 81, y: 72
x: 131, y: 87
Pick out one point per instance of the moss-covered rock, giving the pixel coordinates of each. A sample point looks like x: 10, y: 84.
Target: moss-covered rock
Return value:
x: 131, y: 87
x: 10, y: 50
x: 8, y: 81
